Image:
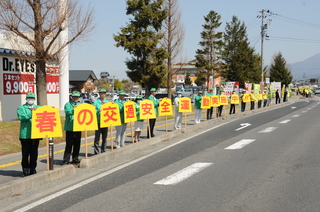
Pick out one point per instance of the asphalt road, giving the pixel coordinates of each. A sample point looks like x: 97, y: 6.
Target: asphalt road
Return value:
x: 275, y: 167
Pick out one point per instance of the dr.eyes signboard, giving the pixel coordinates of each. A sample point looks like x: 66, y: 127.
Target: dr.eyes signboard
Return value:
x: 19, y: 76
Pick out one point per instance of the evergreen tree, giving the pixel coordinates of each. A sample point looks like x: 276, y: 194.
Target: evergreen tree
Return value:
x: 279, y: 71
x: 187, y: 80
x: 140, y: 38
x: 208, y: 57
x: 241, y: 62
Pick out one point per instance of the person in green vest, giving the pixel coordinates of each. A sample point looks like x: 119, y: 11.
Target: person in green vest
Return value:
x: 197, y: 106
x: 100, y: 131
x: 73, y: 138
x: 210, y: 110
x: 121, y: 129
x: 138, y: 125
x: 29, y: 146
x: 152, y: 122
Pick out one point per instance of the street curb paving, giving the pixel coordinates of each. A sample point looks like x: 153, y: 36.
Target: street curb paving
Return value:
x: 16, y: 187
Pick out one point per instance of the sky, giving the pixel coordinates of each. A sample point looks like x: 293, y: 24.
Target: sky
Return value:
x: 293, y: 30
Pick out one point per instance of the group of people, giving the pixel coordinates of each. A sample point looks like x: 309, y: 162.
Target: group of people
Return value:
x: 73, y: 138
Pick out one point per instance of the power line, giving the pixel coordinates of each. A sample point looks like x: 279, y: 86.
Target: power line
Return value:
x: 294, y: 39
x: 296, y: 21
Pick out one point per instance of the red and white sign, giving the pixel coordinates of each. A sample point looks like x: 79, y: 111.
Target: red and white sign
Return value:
x: 18, y: 83
x: 52, y: 84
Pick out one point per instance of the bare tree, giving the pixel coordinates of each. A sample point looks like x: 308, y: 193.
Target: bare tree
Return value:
x: 173, y: 39
x: 36, y: 24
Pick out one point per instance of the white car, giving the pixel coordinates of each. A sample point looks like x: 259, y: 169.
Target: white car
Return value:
x: 316, y: 90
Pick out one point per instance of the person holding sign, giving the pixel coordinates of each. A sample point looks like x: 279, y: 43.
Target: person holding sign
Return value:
x: 243, y: 103
x: 121, y: 129
x: 210, y: 110
x: 138, y: 125
x: 101, y: 131
x: 152, y: 122
x: 232, y: 105
x: 178, y: 115
x: 73, y: 138
x: 197, y: 106
x: 29, y: 147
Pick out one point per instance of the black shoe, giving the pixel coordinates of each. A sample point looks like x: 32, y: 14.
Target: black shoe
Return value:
x: 75, y: 161
x: 152, y: 135
x: 26, y: 172
x: 33, y: 172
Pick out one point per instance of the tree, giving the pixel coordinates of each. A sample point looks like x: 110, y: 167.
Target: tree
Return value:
x: 36, y: 24
x: 241, y: 62
x: 187, y: 80
x: 102, y: 83
x: 118, y: 85
x: 208, y: 57
x: 140, y: 38
x: 173, y: 38
x: 279, y: 71
x: 127, y: 85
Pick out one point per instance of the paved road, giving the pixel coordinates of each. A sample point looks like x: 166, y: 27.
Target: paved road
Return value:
x: 264, y: 162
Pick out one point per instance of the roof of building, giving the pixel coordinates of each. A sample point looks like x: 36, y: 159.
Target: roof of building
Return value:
x: 81, y: 75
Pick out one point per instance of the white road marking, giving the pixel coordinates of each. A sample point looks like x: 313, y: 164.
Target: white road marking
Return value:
x: 240, y: 144
x: 293, y: 107
x: 295, y: 116
x: 183, y: 174
x: 309, y: 108
x: 268, y: 129
x: 48, y: 198
x: 244, y: 125
x: 285, y: 121
x: 304, y: 111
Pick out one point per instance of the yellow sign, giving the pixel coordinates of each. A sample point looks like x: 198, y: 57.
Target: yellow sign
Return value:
x: 85, y: 117
x: 185, y: 105
x: 246, y: 97
x: 205, y: 102
x: 165, y: 107
x: 110, y: 115
x: 147, y: 109
x: 129, y: 112
x: 215, y: 101
x: 46, y: 122
x: 234, y: 99
x: 223, y: 100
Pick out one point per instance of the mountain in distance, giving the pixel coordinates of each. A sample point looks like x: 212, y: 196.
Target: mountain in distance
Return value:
x: 307, y: 69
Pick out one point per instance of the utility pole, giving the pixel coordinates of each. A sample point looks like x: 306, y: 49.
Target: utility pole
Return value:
x: 264, y: 27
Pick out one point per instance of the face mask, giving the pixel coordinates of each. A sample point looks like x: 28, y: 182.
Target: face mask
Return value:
x: 139, y: 101
x: 30, y: 101
x: 179, y: 95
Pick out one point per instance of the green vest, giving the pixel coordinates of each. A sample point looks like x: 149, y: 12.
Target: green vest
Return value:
x: 25, y: 117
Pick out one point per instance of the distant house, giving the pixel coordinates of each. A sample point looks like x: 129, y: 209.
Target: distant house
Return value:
x: 82, y: 80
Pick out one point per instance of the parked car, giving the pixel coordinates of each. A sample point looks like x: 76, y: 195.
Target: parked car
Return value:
x: 316, y: 90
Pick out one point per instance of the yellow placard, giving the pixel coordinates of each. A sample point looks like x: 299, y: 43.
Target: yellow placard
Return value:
x: 205, y: 102
x: 85, y: 117
x: 223, y: 100
x: 165, y: 107
x: 130, y: 114
x: 147, y: 109
x: 215, y: 101
x: 110, y: 115
x: 185, y: 105
x: 234, y: 99
x: 46, y: 122
x: 246, y: 97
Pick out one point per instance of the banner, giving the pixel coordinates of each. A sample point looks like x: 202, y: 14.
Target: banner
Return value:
x: 229, y: 87
x: 110, y: 115
x: 85, y: 117
x: 18, y: 83
x: 205, y: 102
x: 185, y: 105
x: 234, y: 99
x: 215, y: 101
x: 223, y: 100
x: 165, y: 107
x: 46, y: 122
x: 130, y: 114
x: 147, y: 109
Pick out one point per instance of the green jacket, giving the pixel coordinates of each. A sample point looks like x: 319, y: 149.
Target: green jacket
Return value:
x: 156, y: 103
x: 209, y: 94
x: 25, y: 117
x: 69, y: 113
x: 197, y: 104
x: 121, y: 108
x: 98, y: 104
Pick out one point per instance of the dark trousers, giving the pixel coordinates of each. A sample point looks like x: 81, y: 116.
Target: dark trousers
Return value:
x: 277, y: 100
x: 243, y: 106
x: 104, y: 133
x: 73, y: 141
x: 265, y: 101
x: 152, y: 122
x: 232, y: 109
x: 219, y: 110
x: 29, y: 150
x: 252, y: 105
x: 209, y: 113
x: 259, y: 103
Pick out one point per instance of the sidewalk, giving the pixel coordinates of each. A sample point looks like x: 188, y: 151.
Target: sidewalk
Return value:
x: 11, y: 182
